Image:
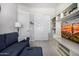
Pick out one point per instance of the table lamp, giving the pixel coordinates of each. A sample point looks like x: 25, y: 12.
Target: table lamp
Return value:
x: 18, y: 26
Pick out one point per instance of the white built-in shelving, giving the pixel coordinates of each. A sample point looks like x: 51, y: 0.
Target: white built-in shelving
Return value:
x: 66, y: 47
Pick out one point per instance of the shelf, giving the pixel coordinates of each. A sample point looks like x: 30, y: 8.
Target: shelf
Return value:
x: 69, y: 44
x: 72, y: 46
x: 69, y: 10
x: 72, y: 15
x: 64, y: 50
x: 60, y: 52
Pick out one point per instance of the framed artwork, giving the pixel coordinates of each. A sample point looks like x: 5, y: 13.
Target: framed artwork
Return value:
x: 70, y: 30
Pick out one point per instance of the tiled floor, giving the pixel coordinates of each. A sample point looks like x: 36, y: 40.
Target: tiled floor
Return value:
x: 48, y: 47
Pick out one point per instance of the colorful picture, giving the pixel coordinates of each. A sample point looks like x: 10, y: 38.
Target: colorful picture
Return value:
x: 70, y: 31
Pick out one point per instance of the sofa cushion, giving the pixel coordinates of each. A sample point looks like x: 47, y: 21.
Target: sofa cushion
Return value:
x: 13, y: 50
x: 32, y: 51
x: 11, y: 38
x: 2, y: 42
x: 25, y: 41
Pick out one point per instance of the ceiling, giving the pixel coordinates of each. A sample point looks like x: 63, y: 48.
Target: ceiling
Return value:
x: 41, y: 5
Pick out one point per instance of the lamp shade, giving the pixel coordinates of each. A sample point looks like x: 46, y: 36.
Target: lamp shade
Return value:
x: 17, y: 24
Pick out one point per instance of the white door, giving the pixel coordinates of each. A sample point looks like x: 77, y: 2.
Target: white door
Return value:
x: 41, y: 27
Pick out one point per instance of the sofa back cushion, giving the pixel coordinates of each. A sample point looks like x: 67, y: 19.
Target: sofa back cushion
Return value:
x: 11, y: 38
x: 2, y: 42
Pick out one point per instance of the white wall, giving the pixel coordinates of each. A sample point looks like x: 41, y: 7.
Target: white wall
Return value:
x: 44, y: 11
x: 23, y: 19
x: 32, y: 27
x: 7, y: 17
x: 58, y: 27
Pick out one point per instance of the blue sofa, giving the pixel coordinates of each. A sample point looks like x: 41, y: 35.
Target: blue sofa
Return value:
x: 9, y: 46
